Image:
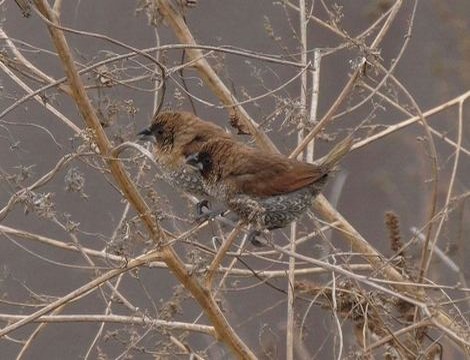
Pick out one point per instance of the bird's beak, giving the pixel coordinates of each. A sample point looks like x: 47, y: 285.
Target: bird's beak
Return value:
x: 146, y: 135
x: 193, y: 161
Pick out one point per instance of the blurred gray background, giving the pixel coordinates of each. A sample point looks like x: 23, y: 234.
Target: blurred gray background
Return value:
x: 390, y: 174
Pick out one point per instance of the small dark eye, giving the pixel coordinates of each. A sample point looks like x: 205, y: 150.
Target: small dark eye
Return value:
x: 205, y: 160
x: 159, y: 131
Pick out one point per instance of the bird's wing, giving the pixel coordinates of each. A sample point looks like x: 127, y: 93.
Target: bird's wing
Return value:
x: 263, y: 174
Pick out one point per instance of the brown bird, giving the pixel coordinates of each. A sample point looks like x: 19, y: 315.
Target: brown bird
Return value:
x: 266, y: 190
x: 176, y: 135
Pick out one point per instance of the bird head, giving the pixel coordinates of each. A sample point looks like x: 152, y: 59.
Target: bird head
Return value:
x: 162, y: 131
x: 157, y: 134
x: 201, y: 161
x: 179, y: 133
x: 146, y: 135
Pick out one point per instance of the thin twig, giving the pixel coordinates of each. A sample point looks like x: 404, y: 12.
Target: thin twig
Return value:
x: 214, y: 266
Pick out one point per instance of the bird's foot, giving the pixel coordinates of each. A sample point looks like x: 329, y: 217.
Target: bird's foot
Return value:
x: 254, y: 236
x: 204, y: 214
x: 202, y: 207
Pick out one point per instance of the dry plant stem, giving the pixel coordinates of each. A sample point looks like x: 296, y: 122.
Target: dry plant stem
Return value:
x: 41, y: 181
x: 268, y: 274
x: 263, y: 95
x: 35, y: 333
x: 328, y: 116
x: 89, y: 116
x: 348, y: 87
x: 19, y: 57
x: 87, y: 288
x: 334, y: 29
x: 222, y: 328
x: 56, y: 311
x: 360, y: 245
x: 62, y: 245
x: 184, y: 347
x: 357, y: 242
x: 291, y: 326
x: 335, y: 315
x: 414, y: 119
x: 107, y: 312
x: 396, y: 334
x: 444, y: 214
x: 388, y: 22
x: 314, y: 100
x: 132, y: 320
x: 155, y: 81
x: 239, y: 103
x: 87, y: 69
x: 115, y: 286
x: 123, y: 300
x: 427, y: 249
x: 176, y: 21
x: 214, y: 266
x: 40, y: 100
x: 387, y: 72
x: 229, y: 270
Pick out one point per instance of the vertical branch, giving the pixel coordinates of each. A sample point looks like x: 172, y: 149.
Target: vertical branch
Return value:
x: 303, y: 58
x: 291, y: 327
x: 156, y: 105
x: 349, y: 85
x: 329, y: 114
x: 444, y: 214
x: 314, y: 99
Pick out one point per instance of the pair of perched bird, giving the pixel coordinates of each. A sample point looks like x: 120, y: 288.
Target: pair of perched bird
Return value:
x: 266, y: 190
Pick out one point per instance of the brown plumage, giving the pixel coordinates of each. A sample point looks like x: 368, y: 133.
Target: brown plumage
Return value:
x: 264, y: 189
x: 176, y: 135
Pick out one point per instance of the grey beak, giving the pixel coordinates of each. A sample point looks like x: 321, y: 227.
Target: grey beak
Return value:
x: 146, y: 135
x: 193, y: 161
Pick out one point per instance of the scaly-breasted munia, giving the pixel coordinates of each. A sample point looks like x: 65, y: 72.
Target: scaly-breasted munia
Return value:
x: 266, y: 190
x: 176, y: 135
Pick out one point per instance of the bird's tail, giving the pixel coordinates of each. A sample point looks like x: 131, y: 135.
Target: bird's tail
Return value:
x: 337, y: 153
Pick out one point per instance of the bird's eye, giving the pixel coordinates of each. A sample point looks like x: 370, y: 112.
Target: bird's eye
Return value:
x: 206, y: 161
x: 158, y: 132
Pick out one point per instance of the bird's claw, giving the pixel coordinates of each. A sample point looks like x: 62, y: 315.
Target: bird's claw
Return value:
x: 200, y: 207
x: 253, y: 236
x: 208, y: 215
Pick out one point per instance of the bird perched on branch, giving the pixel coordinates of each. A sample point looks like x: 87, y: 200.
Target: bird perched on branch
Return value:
x: 266, y: 190
x: 176, y: 135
